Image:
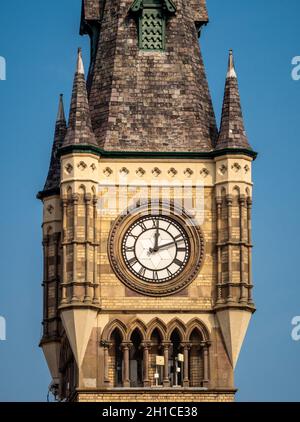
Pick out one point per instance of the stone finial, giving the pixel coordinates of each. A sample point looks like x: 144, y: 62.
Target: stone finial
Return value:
x: 231, y: 69
x: 80, y: 67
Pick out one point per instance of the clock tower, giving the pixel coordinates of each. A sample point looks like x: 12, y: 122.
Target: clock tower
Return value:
x: 147, y: 215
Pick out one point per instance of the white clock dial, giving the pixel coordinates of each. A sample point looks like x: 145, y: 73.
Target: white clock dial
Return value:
x: 156, y: 249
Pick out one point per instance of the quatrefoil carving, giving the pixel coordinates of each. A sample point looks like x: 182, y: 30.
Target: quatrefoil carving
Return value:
x: 124, y: 171
x: 156, y: 172
x: 223, y: 169
x: 172, y: 172
x: 107, y: 171
x: 188, y: 172
x: 50, y: 209
x: 236, y: 167
x: 140, y: 172
x: 82, y: 165
x: 204, y: 172
x: 69, y: 168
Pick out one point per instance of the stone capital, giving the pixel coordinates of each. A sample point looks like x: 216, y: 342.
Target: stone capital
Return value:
x: 146, y: 344
x: 242, y: 199
x: 219, y: 200
x: 75, y: 198
x: 229, y: 199
x: 126, y: 345
x: 88, y: 198
x: 205, y: 344
x: 186, y: 345
x: 105, y: 344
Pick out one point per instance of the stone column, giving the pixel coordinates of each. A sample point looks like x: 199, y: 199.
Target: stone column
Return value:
x: 96, y: 294
x: 249, y: 219
x: 166, y: 347
x: 244, y: 293
x: 146, y: 348
x: 186, y: 378
x: 126, y: 348
x: 229, y: 222
x: 46, y: 242
x: 88, y: 200
x: 75, y: 200
x: 106, y: 345
x: 64, y: 257
x: 219, y: 250
x: 205, y: 346
x: 56, y: 239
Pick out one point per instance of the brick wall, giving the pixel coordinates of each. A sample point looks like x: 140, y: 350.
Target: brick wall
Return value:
x: 178, y: 396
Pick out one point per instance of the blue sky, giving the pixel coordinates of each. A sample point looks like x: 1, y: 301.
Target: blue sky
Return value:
x: 39, y: 40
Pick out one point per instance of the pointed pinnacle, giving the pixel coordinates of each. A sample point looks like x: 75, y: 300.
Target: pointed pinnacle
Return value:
x: 80, y: 67
x: 61, y: 111
x: 231, y: 69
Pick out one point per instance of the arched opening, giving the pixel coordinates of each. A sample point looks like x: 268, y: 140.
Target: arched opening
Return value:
x: 196, y: 368
x: 175, y: 361
x: 136, y: 360
x: 157, y: 361
x: 117, y: 357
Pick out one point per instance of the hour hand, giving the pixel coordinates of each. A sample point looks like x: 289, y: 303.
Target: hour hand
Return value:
x: 156, y: 236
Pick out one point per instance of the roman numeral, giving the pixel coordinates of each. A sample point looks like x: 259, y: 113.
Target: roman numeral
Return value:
x: 179, y: 238
x: 181, y: 250
x: 178, y: 262
x: 155, y: 223
x: 155, y: 275
x: 142, y: 271
x: 132, y: 261
x: 142, y: 226
x: 129, y: 249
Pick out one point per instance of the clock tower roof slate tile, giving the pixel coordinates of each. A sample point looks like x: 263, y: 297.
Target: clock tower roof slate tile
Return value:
x: 149, y: 100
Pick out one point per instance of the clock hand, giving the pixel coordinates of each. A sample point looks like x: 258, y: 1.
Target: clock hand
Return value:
x: 156, y: 236
x: 166, y: 245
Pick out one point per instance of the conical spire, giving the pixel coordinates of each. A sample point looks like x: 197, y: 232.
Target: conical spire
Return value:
x: 61, y: 110
x: 232, y: 132
x: 80, y: 130
x: 157, y: 102
x: 53, y: 178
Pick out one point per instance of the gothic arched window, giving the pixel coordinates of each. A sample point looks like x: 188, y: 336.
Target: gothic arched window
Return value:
x: 151, y: 17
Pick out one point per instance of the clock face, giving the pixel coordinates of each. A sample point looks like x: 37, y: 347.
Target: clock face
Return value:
x: 156, y: 249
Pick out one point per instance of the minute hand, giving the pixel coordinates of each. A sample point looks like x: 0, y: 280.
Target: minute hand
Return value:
x: 170, y: 244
